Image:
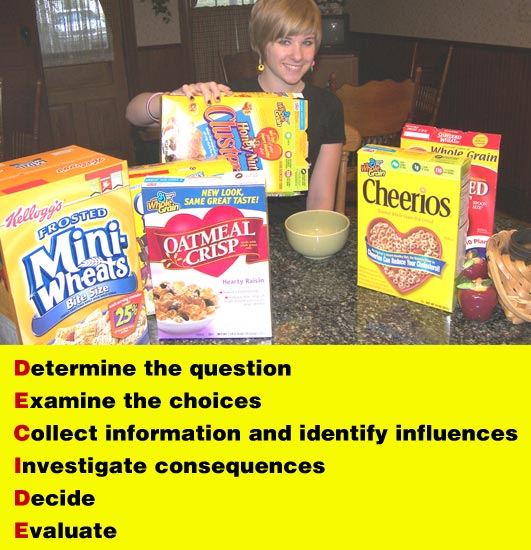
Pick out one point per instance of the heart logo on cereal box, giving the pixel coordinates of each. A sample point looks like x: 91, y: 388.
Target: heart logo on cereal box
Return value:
x: 210, y: 245
x: 406, y: 260
x: 268, y: 147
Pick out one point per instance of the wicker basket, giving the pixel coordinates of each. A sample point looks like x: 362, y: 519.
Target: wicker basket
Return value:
x: 511, y: 278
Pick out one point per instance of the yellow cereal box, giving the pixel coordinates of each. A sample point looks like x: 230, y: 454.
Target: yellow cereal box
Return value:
x: 71, y: 271
x: 177, y: 169
x: 412, y: 217
x: 253, y: 131
x: 483, y: 150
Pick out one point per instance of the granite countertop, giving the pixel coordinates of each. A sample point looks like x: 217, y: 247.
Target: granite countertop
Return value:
x: 319, y: 302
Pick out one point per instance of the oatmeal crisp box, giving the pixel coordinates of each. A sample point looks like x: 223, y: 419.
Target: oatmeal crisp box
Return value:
x: 180, y: 169
x: 253, y: 131
x: 209, y: 256
x: 70, y: 272
x: 483, y: 150
x: 412, y: 217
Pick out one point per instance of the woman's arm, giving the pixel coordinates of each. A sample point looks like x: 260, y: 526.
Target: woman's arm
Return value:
x: 322, y: 188
x: 145, y: 108
x: 137, y: 109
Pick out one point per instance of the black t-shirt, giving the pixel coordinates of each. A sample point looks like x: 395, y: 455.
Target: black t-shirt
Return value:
x: 325, y: 115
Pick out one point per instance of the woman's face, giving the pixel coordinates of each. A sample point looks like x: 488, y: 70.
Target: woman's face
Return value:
x: 289, y: 59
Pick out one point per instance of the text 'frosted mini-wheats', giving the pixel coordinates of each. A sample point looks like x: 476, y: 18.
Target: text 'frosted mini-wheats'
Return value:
x: 70, y: 271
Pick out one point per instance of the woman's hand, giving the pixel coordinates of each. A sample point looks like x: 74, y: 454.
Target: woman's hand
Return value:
x: 211, y: 91
x: 145, y: 109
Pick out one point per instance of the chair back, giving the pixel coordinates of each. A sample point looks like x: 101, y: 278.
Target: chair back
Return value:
x: 238, y: 66
x: 375, y: 112
x: 351, y: 145
x: 379, y: 109
x: 431, y: 85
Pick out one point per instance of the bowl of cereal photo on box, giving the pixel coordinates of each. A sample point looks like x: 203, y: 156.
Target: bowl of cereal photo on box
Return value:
x: 182, y: 308
x: 317, y: 234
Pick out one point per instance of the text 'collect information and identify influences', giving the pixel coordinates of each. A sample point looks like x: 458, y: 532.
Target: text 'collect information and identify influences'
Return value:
x: 82, y: 429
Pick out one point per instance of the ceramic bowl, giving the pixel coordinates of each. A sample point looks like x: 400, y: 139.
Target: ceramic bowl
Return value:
x: 317, y: 234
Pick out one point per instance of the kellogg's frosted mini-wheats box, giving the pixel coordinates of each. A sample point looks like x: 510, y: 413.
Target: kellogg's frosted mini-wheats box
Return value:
x: 253, y: 131
x: 70, y: 262
x: 208, y: 254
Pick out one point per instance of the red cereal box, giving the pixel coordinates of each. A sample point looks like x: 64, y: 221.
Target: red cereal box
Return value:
x: 483, y: 150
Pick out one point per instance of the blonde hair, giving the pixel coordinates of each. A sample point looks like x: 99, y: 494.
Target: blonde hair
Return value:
x: 274, y: 19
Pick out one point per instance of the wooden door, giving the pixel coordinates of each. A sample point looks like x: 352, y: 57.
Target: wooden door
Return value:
x: 87, y: 102
x: 20, y: 67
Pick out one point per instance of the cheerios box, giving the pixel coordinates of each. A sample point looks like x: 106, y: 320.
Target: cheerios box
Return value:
x: 412, y: 218
x: 483, y: 150
x: 178, y: 169
x: 253, y: 131
x: 208, y: 252
x: 70, y: 266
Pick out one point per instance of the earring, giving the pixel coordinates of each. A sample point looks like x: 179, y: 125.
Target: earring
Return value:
x: 312, y: 65
x: 260, y: 65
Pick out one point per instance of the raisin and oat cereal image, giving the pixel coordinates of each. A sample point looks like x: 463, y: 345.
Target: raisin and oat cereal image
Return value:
x: 180, y: 303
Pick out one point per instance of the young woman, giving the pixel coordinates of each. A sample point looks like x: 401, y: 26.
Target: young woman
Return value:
x: 286, y: 34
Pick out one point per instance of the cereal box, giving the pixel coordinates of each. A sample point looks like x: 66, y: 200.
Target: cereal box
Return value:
x: 180, y: 169
x: 412, y: 214
x: 70, y: 271
x: 483, y: 151
x: 253, y: 131
x: 209, y: 255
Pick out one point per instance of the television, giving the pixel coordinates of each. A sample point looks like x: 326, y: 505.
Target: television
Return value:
x: 335, y: 30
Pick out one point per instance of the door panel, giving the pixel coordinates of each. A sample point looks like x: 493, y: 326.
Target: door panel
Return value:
x: 20, y: 67
x: 87, y: 102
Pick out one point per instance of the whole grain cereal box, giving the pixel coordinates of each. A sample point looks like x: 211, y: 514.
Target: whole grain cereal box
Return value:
x: 209, y: 256
x: 71, y: 272
x: 412, y: 217
x: 179, y: 169
x: 483, y: 150
x: 253, y: 131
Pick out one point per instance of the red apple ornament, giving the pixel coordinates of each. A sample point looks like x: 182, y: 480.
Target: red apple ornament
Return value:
x: 477, y: 298
x: 474, y: 266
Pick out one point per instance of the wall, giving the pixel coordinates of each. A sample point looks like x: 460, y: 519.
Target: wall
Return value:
x: 160, y: 57
x: 495, y: 22
x: 150, y: 28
